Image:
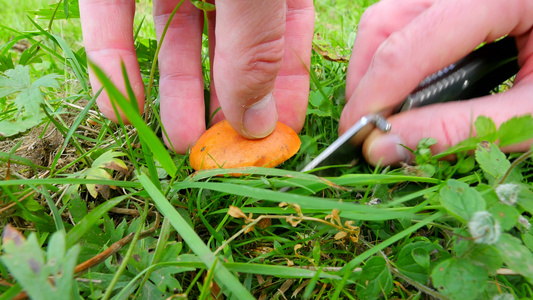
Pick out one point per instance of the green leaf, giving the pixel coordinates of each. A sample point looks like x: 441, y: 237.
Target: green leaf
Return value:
x: 466, y: 165
x: 69, y: 9
x: 527, y: 238
x: 15, y: 80
x: 375, y: 279
x: 486, y: 128
x: 317, y: 112
x: 516, y: 130
x: 205, y: 6
x: 517, y: 256
x: 12, y: 127
x: 421, y: 256
x: 414, y: 260
x: 316, y: 253
x: 524, y: 199
x: 461, y: 200
x: 107, y: 158
x: 492, y: 161
x: 28, y: 100
x: 49, y: 81
x: 423, y: 152
x: 97, y: 170
x: 506, y: 215
x: 315, y: 99
x: 485, y: 256
x: 459, y: 278
x: 91, y: 219
x: 26, y: 262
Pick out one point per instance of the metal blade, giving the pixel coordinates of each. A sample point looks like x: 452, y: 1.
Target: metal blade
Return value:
x: 337, y: 152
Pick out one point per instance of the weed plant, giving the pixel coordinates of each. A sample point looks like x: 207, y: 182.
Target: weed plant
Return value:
x: 95, y: 210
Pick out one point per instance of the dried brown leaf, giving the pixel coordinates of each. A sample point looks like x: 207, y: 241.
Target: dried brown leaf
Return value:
x: 103, y: 190
x: 327, y: 51
x: 296, y: 248
x: 117, y: 165
x: 284, y: 287
x: 335, y: 217
x: 290, y: 263
x: 301, y: 287
x: 349, y: 225
x: 260, y: 279
x: 294, y: 221
x: 10, y: 233
x: 264, y: 223
x: 297, y: 208
x: 340, y: 235
x: 249, y: 229
x: 236, y: 212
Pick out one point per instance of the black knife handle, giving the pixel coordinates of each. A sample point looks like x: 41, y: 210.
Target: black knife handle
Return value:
x: 473, y: 76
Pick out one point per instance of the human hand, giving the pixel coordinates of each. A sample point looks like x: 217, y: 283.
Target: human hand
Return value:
x: 400, y: 42
x: 262, y: 52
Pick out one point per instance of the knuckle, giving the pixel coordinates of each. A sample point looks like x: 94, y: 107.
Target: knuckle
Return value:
x: 368, y: 18
x: 261, y: 62
x: 375, y: 16
x: 391, y: 54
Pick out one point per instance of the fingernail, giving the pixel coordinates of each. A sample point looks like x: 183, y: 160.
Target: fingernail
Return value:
x: 260, y: 118
x: 388, y: 149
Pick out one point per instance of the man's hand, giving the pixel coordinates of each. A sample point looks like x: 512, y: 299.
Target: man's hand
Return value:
x: 400, y: 42
x: 259, y: 52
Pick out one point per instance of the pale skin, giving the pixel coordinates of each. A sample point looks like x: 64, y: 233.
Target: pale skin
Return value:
x: 400, y: 42
x: 260, y: 53
x: 260, y: 49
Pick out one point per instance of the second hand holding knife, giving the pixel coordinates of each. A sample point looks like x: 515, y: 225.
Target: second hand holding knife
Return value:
x: 473, y: 76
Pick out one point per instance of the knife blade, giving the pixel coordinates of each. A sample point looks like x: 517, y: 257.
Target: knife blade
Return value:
x: 475, y: 75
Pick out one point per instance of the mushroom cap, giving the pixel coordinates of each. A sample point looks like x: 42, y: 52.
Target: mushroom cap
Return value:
x: 222, y: 147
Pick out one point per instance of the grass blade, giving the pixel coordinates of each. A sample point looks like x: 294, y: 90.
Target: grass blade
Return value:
x: 72, y: 129
x: 222, y: 276
x: 145, y: 133
x: 350, y: 210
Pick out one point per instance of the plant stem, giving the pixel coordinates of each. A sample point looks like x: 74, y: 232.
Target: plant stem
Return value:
x: 515, y: 164
x: 54, y: 15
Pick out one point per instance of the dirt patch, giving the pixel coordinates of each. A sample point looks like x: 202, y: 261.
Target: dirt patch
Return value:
x: 40, y: 145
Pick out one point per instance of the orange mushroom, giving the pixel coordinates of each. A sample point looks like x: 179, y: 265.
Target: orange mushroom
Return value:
x: 222, y: 147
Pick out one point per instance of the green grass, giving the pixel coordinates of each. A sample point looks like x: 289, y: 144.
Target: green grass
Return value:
x: 80, y: 188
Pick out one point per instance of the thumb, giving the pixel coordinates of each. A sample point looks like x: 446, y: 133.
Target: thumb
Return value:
x: 448, y: 123
x: 248, y: 56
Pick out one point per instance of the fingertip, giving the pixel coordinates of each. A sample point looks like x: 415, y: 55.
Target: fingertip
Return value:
x: 181, y: 141
x: 183, y: 121
x: 106, y: 107
x: 385, y: 149
x: 260, y: 118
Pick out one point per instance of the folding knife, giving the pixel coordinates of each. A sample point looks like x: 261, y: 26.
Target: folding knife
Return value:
x: 474, y: 76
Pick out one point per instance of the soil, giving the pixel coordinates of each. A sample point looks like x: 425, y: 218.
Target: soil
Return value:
x: 40, y: 145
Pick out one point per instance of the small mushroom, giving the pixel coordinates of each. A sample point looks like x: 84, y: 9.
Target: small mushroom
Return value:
x: 222, y: 147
